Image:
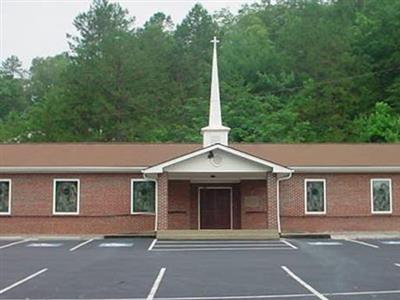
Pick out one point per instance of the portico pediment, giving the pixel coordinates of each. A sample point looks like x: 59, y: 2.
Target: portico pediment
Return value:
x: 217, y: 159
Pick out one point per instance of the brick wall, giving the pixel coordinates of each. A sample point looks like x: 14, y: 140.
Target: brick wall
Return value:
x: 254, y: 204
x: 179, y: 204
x: 104, y: 206
x: 272, y: 201
x: 348, y: 198
x: 162, y: 201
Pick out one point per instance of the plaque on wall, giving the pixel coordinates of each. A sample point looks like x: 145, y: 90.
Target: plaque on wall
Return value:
x: 252, y: 201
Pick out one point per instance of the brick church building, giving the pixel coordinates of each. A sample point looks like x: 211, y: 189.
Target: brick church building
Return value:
x: 166, y: 189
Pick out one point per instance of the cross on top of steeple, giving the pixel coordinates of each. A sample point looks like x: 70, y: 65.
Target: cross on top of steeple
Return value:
x: 214, y: 41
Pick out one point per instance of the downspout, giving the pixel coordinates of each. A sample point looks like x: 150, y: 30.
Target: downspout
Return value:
x: 278, y: 204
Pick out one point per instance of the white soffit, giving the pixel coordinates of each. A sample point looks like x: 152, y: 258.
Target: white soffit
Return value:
x: 346, y: 169
x: 39, y: 169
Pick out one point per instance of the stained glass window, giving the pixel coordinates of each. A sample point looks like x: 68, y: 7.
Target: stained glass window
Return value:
x: 315, y: 195
x: 4, y: 197
x: 143, y: 196
x: 66, y: 196
x: 381, y: 195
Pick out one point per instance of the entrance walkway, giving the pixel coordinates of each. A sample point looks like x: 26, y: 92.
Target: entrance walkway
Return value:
x: 222, y: 245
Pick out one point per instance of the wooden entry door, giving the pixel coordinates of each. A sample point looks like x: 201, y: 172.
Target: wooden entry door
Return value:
x: 215, y: 208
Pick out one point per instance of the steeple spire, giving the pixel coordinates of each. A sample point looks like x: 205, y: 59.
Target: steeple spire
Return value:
x: 215, y: 132
x: 215, y: 102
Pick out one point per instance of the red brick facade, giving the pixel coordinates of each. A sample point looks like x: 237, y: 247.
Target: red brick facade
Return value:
x: 348, y: 204
x: 104, y: 206
x: 180, y: 203
x: 254, y: 202
x: 105, y: 201
x: 162, y: 202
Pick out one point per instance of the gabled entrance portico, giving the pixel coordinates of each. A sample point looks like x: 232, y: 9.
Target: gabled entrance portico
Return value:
x: 216, y: 188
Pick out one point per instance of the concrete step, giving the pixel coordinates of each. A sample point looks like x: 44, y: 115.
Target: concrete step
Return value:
x: 240, y: 234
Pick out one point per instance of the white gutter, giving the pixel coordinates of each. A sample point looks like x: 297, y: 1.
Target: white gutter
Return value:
x: 71, y: 169
x: 346, y: 169
x: 278, y: 202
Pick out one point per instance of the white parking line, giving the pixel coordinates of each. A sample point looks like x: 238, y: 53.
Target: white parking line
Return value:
x: 389, y: 292
x: 152, y: 244
x: 289, y: 244
x: 22, y: 281
x: 397, y: 265
x: 363, y: 243
x: 111, y: 245
x: 156, y: 284
x: 325, y: 243
x: 44, y: 245
x: 81, y: 244
x: 14, y: 243
x: 304, y: 284
x: 278, y: 296
x: 391, y: 242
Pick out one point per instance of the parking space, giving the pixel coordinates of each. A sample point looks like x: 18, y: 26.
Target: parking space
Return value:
x: 125, y: 269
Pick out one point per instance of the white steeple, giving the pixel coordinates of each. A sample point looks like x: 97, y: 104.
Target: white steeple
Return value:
x: 215, y: 132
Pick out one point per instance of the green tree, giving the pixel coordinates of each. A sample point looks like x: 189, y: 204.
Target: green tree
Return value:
x: 45, y: 74
x: 12, y: 87
x: 380, y: 126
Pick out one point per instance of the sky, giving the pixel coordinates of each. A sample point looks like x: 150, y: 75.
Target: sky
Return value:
x: 32, y: 28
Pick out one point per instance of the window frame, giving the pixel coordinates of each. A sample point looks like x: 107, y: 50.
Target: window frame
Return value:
x: 155, y: 196
x: 307, y: 180
x: 377, y: 212
x: 55, y: 180
x: 7, y: 213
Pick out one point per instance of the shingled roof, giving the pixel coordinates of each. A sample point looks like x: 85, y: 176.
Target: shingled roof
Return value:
x: 144, y: 155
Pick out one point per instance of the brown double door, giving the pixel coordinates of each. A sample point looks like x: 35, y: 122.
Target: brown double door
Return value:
x: 215, y: 208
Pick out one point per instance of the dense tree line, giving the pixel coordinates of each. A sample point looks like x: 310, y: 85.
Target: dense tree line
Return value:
x: 291, y: 71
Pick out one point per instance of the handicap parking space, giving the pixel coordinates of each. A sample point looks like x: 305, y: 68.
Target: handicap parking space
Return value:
x: 116, y: 244
x: 31, y: 244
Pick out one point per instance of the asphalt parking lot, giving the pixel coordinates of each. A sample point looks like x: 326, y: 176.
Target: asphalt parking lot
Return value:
x: 141, y: 268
